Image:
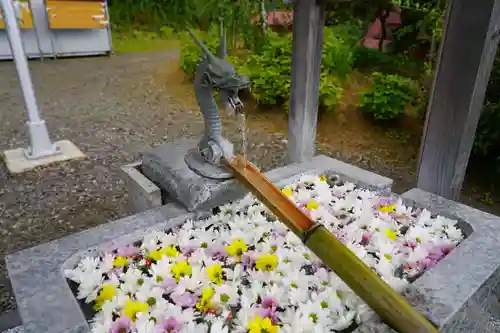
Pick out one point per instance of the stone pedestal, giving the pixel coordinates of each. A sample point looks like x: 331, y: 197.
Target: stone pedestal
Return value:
x: 163, y: 176
x: 165, y: 167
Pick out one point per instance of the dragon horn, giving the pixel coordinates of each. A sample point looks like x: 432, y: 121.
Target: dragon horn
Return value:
x: 200, y: 43
x: 223, y: 41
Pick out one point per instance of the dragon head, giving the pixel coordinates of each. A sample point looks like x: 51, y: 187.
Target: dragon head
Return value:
x: 220, y: 74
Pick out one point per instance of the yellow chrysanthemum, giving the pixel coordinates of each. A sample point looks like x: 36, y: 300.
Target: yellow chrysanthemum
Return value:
x: 170, y: 251
x: 312, y: 205
x: 106, y: 293
x: 387, y: 209
x: 391, y: 234
x: 132, y: 308
x: 181, y: 269
x: 236, y: 248
x: 267, y: 262
x: 205, y: 303
x: 120, y: 261
x: 288, y: 191
x: 215, y: 274
x: 259, y: 325
x: 323, y: 178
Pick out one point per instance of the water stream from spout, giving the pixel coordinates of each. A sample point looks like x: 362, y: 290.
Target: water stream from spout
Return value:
x: 243, y: 133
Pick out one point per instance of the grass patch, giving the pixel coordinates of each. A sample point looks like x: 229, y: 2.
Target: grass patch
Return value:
x: 141, y: 41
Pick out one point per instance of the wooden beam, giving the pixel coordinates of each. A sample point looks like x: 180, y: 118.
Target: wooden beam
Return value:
x: 308, y: 24
x: 464, y: 64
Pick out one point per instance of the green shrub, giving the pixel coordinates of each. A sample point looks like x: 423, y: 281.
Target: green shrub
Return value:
x: 191, y: 53
x: 330, y: 91
x: 338, y: 52
x: 487, y: 140
x: 374, y: 60
x: 270, y: 70
x: 388, y: 96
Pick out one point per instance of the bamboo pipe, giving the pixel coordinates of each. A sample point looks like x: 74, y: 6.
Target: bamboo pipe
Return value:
x: 394, y: 310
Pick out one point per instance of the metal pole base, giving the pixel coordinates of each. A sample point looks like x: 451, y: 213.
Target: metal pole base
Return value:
x: 41, y: 146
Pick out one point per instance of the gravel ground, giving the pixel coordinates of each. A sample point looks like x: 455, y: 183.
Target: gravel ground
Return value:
x: 112, y: 109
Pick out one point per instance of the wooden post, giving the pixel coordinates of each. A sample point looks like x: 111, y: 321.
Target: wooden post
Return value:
x: 464, y: 64
x: 308, y: 24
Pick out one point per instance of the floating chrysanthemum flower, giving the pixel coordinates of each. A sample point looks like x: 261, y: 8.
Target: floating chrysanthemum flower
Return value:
x: 259, y: 325
x: 205, y: 303
x: 106, y: 293
x: 288, y: 191
x: 120, y: 261
x: 312, y: 205
x: 181, y: 269
x: 166, y: 251
x: 392, y: 234
x: 215, y: 274
x: 266, y: 262
x: 132, y: 308
x: 170, y: 325
x: 237, y: 248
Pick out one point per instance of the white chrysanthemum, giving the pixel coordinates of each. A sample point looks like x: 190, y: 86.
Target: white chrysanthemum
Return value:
x: 217, y: 266
x: 131, y: 280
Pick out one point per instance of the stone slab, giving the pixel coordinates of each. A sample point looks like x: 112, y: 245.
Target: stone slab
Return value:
x: 165, y: 167
x: 44, y: 299
x: 16, y: 162
x: 9, y: 320
x: 17, y: 329
x: 461, y: 293
x: 143, y: 194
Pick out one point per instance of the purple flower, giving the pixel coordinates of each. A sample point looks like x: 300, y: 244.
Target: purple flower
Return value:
x: 385, y: 201
x: 168, y: 284
x: 217, y: 251
x: 127, y: 251
x: 185, y: 300
x: 269, y: 303
x: 439, y: 252
x: 365, y: 239
x: 427, y: 263
x: 247, y: 259
x: 122, y: 325
x: 267, y: 313
x: 170, y: 325
x: 187, y: 250
x: 411, y: 244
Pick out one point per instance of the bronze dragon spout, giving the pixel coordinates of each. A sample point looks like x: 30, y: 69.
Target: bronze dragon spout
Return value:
x: 214, y: 73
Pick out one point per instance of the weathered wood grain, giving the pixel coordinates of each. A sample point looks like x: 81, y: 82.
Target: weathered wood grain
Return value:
x: 308, y: 24
x: 464, y: 64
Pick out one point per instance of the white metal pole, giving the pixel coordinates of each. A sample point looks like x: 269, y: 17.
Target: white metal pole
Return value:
x: 40, y: 144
